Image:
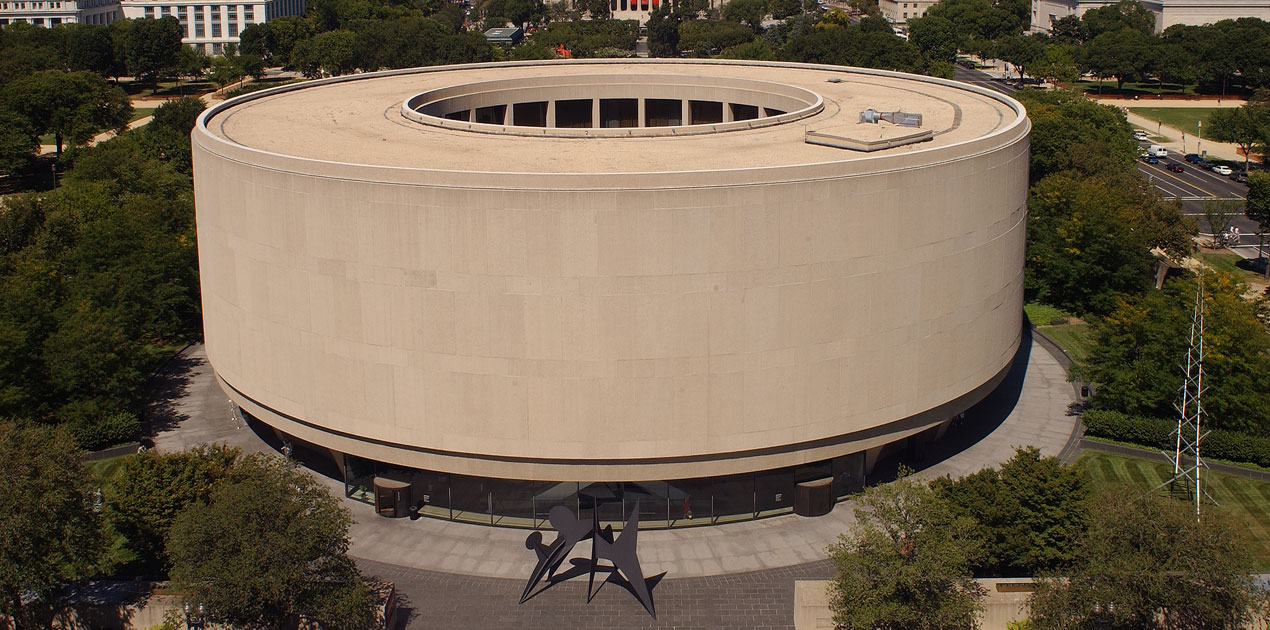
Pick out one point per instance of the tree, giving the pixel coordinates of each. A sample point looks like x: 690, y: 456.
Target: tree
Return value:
x: 1058, y: 64
x: 52, y: 531
x: 1030, y: 513
x: 1257, y: 207
x: 153, y: 489
x: 663, y: 32
x: 1021, y: 51
x: 781, y: 9
x: 1139, y: 344
x: 267, y: 549
x: 330, y: 53
x: 1246, y: 125
x: 905, y: 564
x: 1148, y: 563
x: 225, y: 70
x: 935, y: 36
x: 749, y: 12
x: 1126, y: 14
x: 18, y: 142
x: 1071, y: 132
x: 1124, y: 54
x: 73, y: 106
x: 1219, y: 213
x: 153, y: 46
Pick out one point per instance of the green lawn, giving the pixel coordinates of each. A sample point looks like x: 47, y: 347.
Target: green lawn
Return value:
x: 1044, y: 314
x: 1230, y: 263
x: 1243, y: 500
x: 1076, y: 339
x: 105, y: 470
x: 141, y: 112
x: 1181, y: 118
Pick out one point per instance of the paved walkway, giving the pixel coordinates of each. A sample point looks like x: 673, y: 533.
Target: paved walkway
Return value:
x: 1030, y: 408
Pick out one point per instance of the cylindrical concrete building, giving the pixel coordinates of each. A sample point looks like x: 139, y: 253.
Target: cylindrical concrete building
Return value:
x: 695, y: 284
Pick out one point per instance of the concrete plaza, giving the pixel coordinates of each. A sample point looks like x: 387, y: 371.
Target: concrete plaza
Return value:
x: 1030, y: 408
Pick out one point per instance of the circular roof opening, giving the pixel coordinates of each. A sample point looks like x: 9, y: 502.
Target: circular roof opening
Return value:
x: 612, y: 105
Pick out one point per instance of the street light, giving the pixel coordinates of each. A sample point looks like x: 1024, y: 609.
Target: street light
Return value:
x: 1199, y: 136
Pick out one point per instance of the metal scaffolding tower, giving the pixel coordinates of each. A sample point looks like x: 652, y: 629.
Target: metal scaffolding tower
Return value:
x: 1187, y: 463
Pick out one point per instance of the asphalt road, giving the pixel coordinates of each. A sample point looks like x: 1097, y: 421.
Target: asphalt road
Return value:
x: 1192, y: 186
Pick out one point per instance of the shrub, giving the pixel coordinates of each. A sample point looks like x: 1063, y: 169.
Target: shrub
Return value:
x: 106, y: 431
x: 1158, y: 433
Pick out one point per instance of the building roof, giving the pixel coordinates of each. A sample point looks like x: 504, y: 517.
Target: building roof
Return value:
x: 358, y: 120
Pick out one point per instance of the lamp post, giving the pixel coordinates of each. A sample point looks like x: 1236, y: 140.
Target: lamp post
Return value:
x: 1199, y: 136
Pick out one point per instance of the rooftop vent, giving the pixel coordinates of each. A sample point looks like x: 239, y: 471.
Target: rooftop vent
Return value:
x: 903, y: 119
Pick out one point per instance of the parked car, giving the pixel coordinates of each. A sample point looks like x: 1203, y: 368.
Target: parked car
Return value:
x: 1222, y: 169
x: 1193, y: 158
x: 1175, y: 167
x: 1151, y: 159
x: 1204, y: 164
x: 1139, y: 134
x: 1240, y: 176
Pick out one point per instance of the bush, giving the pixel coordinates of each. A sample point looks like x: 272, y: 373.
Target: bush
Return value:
x: 109, y: 430
x: 1158, y: 433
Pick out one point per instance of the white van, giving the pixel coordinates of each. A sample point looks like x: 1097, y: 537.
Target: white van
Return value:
x: 1157, y: 151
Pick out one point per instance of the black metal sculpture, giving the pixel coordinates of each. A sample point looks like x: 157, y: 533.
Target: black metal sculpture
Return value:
x: 623, y: 568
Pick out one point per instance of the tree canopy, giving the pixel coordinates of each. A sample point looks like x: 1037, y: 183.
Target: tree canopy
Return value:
x: 285, y: 560
x: 905, y: 564
x: 1146, y: 562
x: 52, y: 531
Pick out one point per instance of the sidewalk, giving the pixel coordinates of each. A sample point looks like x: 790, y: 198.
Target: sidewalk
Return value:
x: 1030, y: 408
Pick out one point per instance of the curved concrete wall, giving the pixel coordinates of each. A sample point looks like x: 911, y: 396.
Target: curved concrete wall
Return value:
x: 611, y: 327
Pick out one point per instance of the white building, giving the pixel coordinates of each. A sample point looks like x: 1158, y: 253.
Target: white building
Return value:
x: 639, y: 9
x: 902, y: 10
x: 211, y: 24
x: 53, y: 12
x: 1167, y: 12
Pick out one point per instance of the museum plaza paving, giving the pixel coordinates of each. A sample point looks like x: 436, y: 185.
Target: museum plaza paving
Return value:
x: 457, y: 575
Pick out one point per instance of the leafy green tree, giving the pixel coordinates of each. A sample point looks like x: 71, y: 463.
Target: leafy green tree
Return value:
x: 781, y: 9
x: 1126, y: 14
x: 269, y: 547
x: 225, y: 70
x: 749, y: 12
x: 1246, y: 126
x: 1138, y: 346
x: 1071, y: 132
x: 1148, y: 563
x: 153, y: 46
x: 1057, y: 64
x: 1083, y: 248
x: 18, y: 143
x: 1125, y: 54
x: 935, y: 36
x: 905, y: 563
x: 1257, y: 207
x: 663, y: 32
x: 89, y: 47
x: 1030, y: 512
x: 330, y: 53
x: 153, y: 489
x: 979, y: 22
x: 757, y: 49
x: 73, y: 106
x: 51, y: 530
x: 708, y: 34
x: 1021, y: 51
x: 1219, y: 213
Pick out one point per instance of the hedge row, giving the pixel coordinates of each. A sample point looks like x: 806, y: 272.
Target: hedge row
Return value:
x: 1158, y: 433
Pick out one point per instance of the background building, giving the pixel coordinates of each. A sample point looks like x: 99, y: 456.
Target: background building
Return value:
x: 212, y: 24
x: 903, y: 10
x: 50, y: 13
x: 1166, y: 12
x: 703, y: 286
